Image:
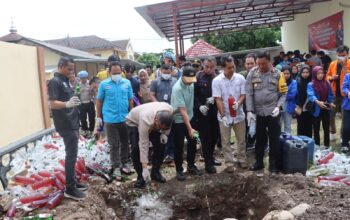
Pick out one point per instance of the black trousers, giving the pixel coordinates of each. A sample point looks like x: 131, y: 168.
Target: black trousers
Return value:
x: 208, y: 128
x: 70, y: 139
x: 305, y: 121
x: 268, y: 127
x: 87, y: 110
x: 158, y: 150
x: 180, y: 132
x: 325, y: 118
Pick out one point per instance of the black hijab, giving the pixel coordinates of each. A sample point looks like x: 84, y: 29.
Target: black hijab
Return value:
x: 302, y: 86
x: 289, y: 81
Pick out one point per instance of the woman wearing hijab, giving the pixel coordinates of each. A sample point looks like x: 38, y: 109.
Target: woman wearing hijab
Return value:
x: 304, y: 117
x: 295, y: 71
x: 291, y: 98
x: 320, y: 93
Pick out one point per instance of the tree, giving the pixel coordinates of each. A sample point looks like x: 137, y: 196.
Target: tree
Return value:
x: 235, y: 41
x: 149, y: 58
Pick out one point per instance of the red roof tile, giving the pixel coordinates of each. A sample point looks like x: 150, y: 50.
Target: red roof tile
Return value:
x: 202, y: 48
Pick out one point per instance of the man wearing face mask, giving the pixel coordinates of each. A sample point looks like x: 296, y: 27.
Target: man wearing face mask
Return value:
x: 161, y: 90
x: 266, y: 92
x: 204, y: 104
x: 149, y: 122
x: 182, y: 100
x: 336, y: 73
x: 114, y: 100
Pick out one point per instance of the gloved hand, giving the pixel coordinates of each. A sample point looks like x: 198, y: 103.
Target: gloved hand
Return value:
x: 145, y: 174
x: 73, y: 102
x: 211, y: 100
x: 225, y: 121
x: 250, y: 117
x: 163, y: 139
x: 275, y: 112
x: 204, y: 109
x: 235, y: 106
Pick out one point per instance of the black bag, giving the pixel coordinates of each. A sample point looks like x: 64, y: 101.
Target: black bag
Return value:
x: 310, y: 106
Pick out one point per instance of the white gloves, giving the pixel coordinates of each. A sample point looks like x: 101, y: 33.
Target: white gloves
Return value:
x: 73, y: 102
x: 211, y: 100
x: 225, y: 121
x: 275, y: 112
x: 163, y: 139
x: 145, y: 174
x: 250, y: 117
x: 235, y: 106
x: 204, y: 109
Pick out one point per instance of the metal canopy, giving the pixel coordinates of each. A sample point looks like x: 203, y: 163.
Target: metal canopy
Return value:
x: 183, y: 19
x: 197, y: 17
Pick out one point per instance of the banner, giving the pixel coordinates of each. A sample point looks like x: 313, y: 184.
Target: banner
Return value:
x: 327, y: 34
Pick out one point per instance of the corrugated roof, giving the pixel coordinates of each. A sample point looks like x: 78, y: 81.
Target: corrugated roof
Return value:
x: 121, y: 43
x: 85, y: 43
x: 74, y: 53
x: 202, y: 48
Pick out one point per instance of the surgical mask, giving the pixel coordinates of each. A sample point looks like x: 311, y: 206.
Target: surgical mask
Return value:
x: 116, y: 78
x: 342, y: 59
x: 166, y: 76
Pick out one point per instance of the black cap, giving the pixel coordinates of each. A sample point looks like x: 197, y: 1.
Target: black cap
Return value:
x: 189, y: 73
x: 113, y: 58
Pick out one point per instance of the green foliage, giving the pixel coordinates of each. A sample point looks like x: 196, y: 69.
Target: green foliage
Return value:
x: 235, y: 41
x: 149, y: 58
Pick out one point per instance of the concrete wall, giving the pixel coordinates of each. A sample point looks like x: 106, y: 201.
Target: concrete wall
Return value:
x: 51, y: 58
x: 21, y: 109
x: 295, y: 33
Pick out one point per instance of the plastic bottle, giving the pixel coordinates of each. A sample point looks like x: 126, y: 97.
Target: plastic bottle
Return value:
x: 45, y: 216
x: 326, y: 159
x: 57, y: 183
x: 47, y: 190
x: 101, y: 174
x: 77, y: 90
x: 331, y: 183
x: 23, y: 180
x: 43, y: 183
x: 50, y: 146
x: 252, y: 128
x: 231, y: 101
x: 62, y: 162
x: 92, y: 142
x: 54, y: 201
x: 44, y: 173
x: 84, y: 177
x: 32, y: 198
x: 81, y: 165
x: 332, y: 177
x: 196, y: 137
x: 59, y: 170
x: 36, y: 177
x: 61, y: 177
x: 39, y: 203
x: 12, y: 211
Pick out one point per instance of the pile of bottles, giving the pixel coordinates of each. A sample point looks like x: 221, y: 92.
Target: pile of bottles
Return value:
x: 44, y: 163
x: 331, y: 168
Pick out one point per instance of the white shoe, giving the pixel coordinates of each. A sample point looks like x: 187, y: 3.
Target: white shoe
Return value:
x: 332, y: 137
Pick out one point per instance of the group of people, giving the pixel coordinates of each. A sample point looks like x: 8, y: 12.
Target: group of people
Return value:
x: 199, y: 102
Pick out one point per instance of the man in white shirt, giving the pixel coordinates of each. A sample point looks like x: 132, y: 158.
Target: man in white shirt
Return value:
x: 230, y: 85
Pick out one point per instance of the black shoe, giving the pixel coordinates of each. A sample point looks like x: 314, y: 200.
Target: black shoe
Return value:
x: 217, y: 163
x: 75, y: 194
x: 157, y: 176
x: 81, y: 186
x: 210, y: 169
x: 257, y: 166
x: 140, y: 183
x: 194, y: 171
x: 180, y: 176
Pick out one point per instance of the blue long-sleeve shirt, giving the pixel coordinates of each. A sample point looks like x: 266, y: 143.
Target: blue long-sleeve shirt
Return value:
x: 312, y: 96
x: 291, y: 97
x: 346, y: 89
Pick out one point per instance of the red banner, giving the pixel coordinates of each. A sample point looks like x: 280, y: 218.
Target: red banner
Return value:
x: 328, y: 33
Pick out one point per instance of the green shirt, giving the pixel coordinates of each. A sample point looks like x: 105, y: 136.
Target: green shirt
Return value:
x: 182, y: 96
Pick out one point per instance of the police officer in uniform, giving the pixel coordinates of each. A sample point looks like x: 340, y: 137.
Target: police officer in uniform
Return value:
x: 208, y: 126
x: 266, y: 92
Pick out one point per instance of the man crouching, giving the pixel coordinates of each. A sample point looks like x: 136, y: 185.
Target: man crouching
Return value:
x: 150, y: 122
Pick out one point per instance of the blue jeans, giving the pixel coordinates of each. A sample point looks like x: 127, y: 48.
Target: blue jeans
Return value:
x: 170, y: 146
x: 286, y: 121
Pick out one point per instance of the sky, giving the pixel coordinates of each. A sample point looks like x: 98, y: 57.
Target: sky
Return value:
x: 109, y: 19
